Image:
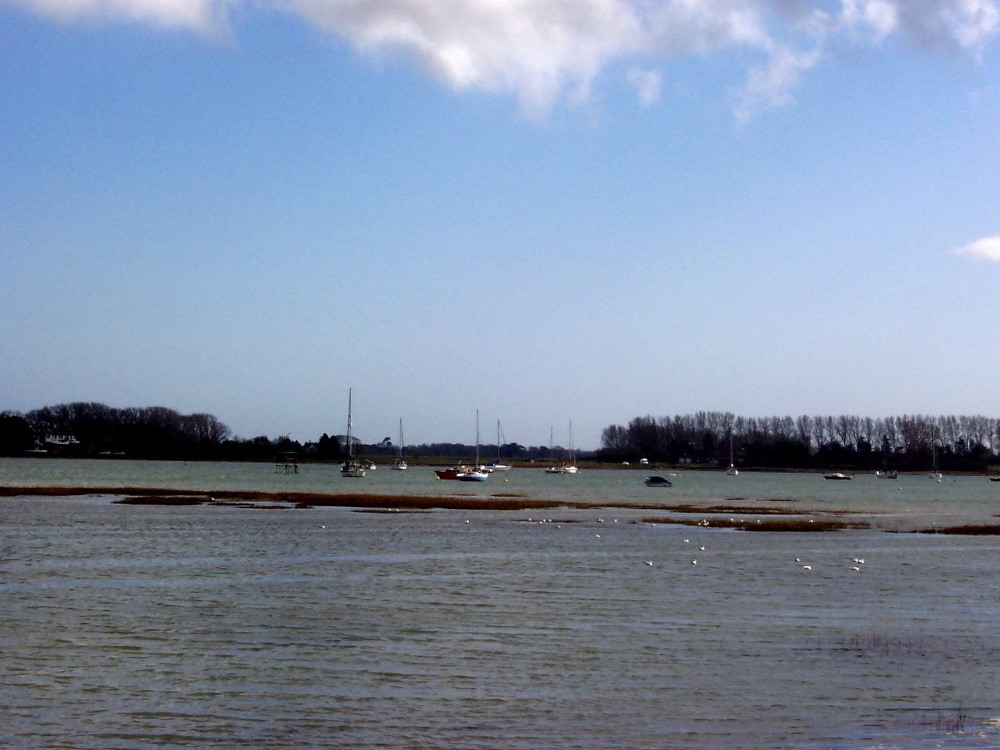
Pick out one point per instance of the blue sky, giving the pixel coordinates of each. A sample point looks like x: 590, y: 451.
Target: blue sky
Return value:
x: 547, y: 211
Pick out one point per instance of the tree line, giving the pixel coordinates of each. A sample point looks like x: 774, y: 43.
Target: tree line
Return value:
x: 87, y: 428
x: 96, y: 429
x: 910, y: 442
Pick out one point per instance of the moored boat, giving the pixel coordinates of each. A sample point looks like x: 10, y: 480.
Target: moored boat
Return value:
x: 658, y: 481
x: 567, y: 466
x: 732, y: 471
x: 451, y: 473
x: 477, y: 472
x: 498, y: 465
x: 352, y: 466
x: 399, y: 463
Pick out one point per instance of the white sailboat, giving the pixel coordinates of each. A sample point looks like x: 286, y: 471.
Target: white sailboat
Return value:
x: 398, y: 464
x: 352, y: 467
x: 474, y: 473
x: 498, y: 465
x: 567, y: 467
x: 732, y: 470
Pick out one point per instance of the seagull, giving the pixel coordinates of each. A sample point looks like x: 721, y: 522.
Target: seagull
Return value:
x: 807, y: 567
x: 685, y: 541
x: 855, y: 567
x: 649, y: 563
x: 694, y: 562
x: 702, y: 549
x: 597, y: 536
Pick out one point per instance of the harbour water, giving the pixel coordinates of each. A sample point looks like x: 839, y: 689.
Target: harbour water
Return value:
x: 133, y: 626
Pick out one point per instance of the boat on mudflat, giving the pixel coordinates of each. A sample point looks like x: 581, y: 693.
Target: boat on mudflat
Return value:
x: 658, y: 481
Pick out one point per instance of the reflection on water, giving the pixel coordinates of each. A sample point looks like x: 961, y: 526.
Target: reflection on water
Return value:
x: 138, y: 626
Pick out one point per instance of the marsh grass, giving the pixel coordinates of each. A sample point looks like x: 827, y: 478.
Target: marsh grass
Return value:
x: 785, y: 524
x: 164, y: 500
x: 992, y: 529
x: 253, y: 499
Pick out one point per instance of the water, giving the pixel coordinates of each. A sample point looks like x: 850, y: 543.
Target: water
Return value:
x: 152, y: 627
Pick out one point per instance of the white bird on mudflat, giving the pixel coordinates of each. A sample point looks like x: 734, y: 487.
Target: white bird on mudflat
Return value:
x: 855, y: 567
x: 702, y: 549
x: 649, y: 562
x: 807, y: 567
x: 694, y: 562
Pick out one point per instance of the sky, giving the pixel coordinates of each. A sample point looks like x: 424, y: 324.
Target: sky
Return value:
x: 549, y: 211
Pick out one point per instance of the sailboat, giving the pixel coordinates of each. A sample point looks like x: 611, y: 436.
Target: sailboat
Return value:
x: 398, y: 463
x: 498, y: 465
x: 567, y: 467
x: 935, y: 472
x: 732, y: 470
x: 474, y: 473
x: 352, y: 467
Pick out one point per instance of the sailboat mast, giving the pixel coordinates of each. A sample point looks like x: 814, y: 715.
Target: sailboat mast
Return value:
x: 350, y: 443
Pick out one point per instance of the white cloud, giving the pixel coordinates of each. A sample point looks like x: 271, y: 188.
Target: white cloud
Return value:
x: 647, y: 84
x: 200, y: 15
x: 546, y: 51
x: 770, y: 86
x: 986, y: 249
x: 538, y: 50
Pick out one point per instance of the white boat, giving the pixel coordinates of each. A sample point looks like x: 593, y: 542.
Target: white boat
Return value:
x: 732, y: 471
x: 352, y: 467
x: 398, y: 464
x: 474, y: 473
x: 838, y: 475
x: 498, y: 465
x: 567, y: 467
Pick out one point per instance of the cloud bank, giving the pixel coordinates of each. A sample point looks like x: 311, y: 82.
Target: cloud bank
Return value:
x: 548, y: 51
x: 986, y: 249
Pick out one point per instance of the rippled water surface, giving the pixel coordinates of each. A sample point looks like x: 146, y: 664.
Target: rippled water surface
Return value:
x: 150, y: 626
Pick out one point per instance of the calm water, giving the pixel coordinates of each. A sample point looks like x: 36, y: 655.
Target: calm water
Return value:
x: 145, y: 626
